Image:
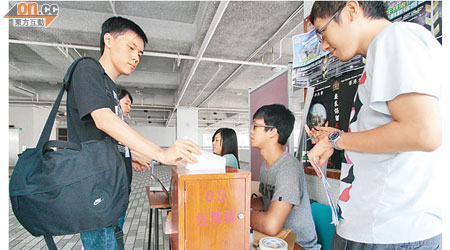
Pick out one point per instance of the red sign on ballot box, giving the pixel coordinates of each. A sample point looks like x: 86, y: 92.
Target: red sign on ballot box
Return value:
x: 215, y: 217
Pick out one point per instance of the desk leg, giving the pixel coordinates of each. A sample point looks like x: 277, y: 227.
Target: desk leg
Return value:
x: 150, y: 229
x: 170, y: 243
x: 156, y: 230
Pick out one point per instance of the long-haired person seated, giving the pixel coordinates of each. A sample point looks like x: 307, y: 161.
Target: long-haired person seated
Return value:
x: 225, y: 144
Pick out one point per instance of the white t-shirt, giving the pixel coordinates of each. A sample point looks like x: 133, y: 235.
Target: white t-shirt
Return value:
x: 393, y: 198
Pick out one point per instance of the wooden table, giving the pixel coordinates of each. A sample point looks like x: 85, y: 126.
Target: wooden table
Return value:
x: 296, y: 247
x: 157, y: 200
x: 173, y: 239
x: 290, y: 238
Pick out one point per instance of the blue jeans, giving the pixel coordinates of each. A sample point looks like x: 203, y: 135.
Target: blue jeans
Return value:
x: 101, y: 239
x: 434, y: 243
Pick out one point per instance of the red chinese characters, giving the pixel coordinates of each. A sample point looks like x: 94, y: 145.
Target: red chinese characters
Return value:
x: 216, y: 217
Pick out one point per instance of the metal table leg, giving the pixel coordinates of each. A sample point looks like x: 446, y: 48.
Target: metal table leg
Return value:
x: 150, y: 229
x: 156, y: 229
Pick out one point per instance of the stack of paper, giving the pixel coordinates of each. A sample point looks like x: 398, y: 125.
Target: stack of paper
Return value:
x: 207, y: 161
x: 335, y: 218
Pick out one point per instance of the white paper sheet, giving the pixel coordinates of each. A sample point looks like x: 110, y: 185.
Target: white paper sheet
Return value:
x: 326, y: 185
x: 207, y: 161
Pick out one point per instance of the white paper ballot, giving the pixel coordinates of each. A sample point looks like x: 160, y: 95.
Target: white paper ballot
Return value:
x: 326, y: 185
x: 207, y: 161
x: 156, y: 189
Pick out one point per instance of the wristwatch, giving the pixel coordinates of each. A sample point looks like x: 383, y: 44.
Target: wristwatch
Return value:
x: 334, y: 137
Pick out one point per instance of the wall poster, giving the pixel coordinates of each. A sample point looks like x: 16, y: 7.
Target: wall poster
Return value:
x: 425, y: 13
x: 331, y: 102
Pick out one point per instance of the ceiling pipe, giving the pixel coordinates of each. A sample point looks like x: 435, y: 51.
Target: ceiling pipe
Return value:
x: 14, y: 67
x: 230, y: 110
x: 157, y: 108
x: 78, y: 53
x: 157, y: 119
x: 11, y: 64
x: 64, y: 50
x: 225, y: 120
x: 207, y: 84
x: 148, y: 53
x: 230, y: 61
x: 281, y: 42
x: 212, y: 28
x: 20, y: 91
x: 295, y: 13
x: 24, y: 90
x: 113, y: 7
x: 273, y: 54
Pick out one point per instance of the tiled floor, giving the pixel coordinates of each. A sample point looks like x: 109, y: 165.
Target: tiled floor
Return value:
x: 135, y: 226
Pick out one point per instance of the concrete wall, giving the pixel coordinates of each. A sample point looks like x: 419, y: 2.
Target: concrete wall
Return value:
x: 163, y: 137
x: 187, y: 124
x: 30, y: 121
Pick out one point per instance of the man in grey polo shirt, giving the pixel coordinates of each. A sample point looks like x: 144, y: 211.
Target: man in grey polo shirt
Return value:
x: 285, y: 201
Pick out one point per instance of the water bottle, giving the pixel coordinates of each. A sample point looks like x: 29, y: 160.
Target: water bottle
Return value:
x: 251, y: 236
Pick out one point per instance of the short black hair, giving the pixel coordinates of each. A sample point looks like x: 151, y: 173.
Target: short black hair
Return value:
x: 324, y: 9
x: 117, y: 25
x: 123, y: 92
x: 278, y: 116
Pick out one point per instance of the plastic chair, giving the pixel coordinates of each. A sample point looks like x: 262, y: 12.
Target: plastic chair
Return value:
x: 321, y: 214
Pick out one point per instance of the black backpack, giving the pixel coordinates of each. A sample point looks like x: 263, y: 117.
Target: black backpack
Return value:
x: 81, y: 187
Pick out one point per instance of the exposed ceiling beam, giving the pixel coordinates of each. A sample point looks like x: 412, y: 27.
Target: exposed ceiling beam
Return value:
x: 226, y: 120
x: 55, y: 57
x: 154, y: 28
x: 113, y: 7
x: 35, y: 72
x: 226, y: 81
x: 212, y: 28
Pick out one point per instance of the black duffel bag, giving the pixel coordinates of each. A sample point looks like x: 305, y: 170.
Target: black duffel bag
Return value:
x: 76, y: 188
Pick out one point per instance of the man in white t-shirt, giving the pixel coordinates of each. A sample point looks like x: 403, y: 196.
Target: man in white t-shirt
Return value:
x: 390, y: 184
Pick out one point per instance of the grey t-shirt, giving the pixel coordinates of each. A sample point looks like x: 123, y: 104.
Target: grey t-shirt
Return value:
x: 285, y: 181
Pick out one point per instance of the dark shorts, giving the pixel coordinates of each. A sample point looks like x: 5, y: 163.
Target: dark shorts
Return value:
x: 340, y: 243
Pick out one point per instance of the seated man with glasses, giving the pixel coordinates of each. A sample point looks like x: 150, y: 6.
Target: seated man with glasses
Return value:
x: 285, y: 201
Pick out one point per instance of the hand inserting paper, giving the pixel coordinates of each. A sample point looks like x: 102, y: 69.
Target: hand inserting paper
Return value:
x: 207, y: 161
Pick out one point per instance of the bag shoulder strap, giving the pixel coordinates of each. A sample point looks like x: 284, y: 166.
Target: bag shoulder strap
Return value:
x: 50, y: 242
x: 45, y: 135
x: 68, y: 76
x: 118, y: 234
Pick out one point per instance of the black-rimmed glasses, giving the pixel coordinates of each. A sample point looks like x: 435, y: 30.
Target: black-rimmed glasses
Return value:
x: 261, y: 125
x: 319, y: 33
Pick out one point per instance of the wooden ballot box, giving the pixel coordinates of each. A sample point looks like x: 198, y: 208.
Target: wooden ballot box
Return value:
x: 210, y: 210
